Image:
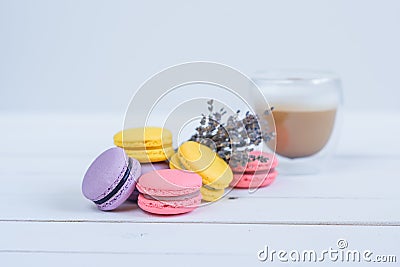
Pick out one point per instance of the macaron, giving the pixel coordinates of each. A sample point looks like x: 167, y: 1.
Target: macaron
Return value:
x: 146, y: 144
x: 174, y: 162
x: 169, y: 191
x: 111, y: 179
x: 148, y: 167
x: 215, y: 172
x: 255, y: 173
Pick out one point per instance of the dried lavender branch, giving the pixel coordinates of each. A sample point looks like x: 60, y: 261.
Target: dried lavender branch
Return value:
x: 232, y: 140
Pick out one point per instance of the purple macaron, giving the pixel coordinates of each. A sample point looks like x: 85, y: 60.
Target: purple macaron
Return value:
x: 111, y: 179
x: 148, y: 167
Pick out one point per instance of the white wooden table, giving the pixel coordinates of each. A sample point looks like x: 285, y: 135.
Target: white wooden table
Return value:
x: 45, y: 220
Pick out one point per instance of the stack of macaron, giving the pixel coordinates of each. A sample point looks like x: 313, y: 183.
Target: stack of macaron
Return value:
x: 146, y: 144
x: 169, y: 191
x: 144, y: 167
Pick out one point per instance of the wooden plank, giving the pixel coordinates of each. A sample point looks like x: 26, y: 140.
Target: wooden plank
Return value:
x: 52, y: 259
x: 72, y: 208
x: 179, y: 243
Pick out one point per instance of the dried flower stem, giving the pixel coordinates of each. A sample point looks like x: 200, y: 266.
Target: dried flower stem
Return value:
x: 234, y: 139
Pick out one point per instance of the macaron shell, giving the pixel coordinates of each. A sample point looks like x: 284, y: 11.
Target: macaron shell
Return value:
x: 174, y: 162
x: 169, y: 182
x: 151, y: 155
x: 256, y: 165
x: 104, y: 173
x: 253, y: 180
x: 202, y: 160
x: 220, y: 183
x: 168, y: 208
x: 124, y: 193
x: 211, y: 195
x: 145, y: 137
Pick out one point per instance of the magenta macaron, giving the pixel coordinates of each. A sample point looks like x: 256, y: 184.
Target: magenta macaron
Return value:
x: 169, y: 191
x: 111, y: 179
x: 255, y: 173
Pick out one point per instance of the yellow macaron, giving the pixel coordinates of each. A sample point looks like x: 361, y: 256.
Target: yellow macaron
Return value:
x: 174, y: 162
x: 215, y: 172
x: 211, y: 194
x: 208, y: 193
x: 146, y: 144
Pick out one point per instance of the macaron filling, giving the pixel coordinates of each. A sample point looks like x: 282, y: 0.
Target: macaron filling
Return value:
x: 165, y: 146
x: 119, y: 185
x: 172, y: 198
x: 210, y: 188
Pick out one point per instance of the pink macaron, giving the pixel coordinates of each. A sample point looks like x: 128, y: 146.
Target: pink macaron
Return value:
x: 255, y: 173
x: 169, y: 191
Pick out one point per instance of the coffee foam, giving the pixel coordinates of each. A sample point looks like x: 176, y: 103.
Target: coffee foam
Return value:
x: 301, y: 99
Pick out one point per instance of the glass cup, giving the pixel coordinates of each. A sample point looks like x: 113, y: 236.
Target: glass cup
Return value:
x: 306, y: 111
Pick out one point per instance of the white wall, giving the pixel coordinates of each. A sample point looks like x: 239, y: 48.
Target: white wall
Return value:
x: 92, y: 55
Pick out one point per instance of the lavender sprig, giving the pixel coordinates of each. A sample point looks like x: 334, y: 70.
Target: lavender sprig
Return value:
x: 234, y: 139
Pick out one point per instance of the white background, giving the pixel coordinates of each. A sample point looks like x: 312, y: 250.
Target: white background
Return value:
x: 92, y: 55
